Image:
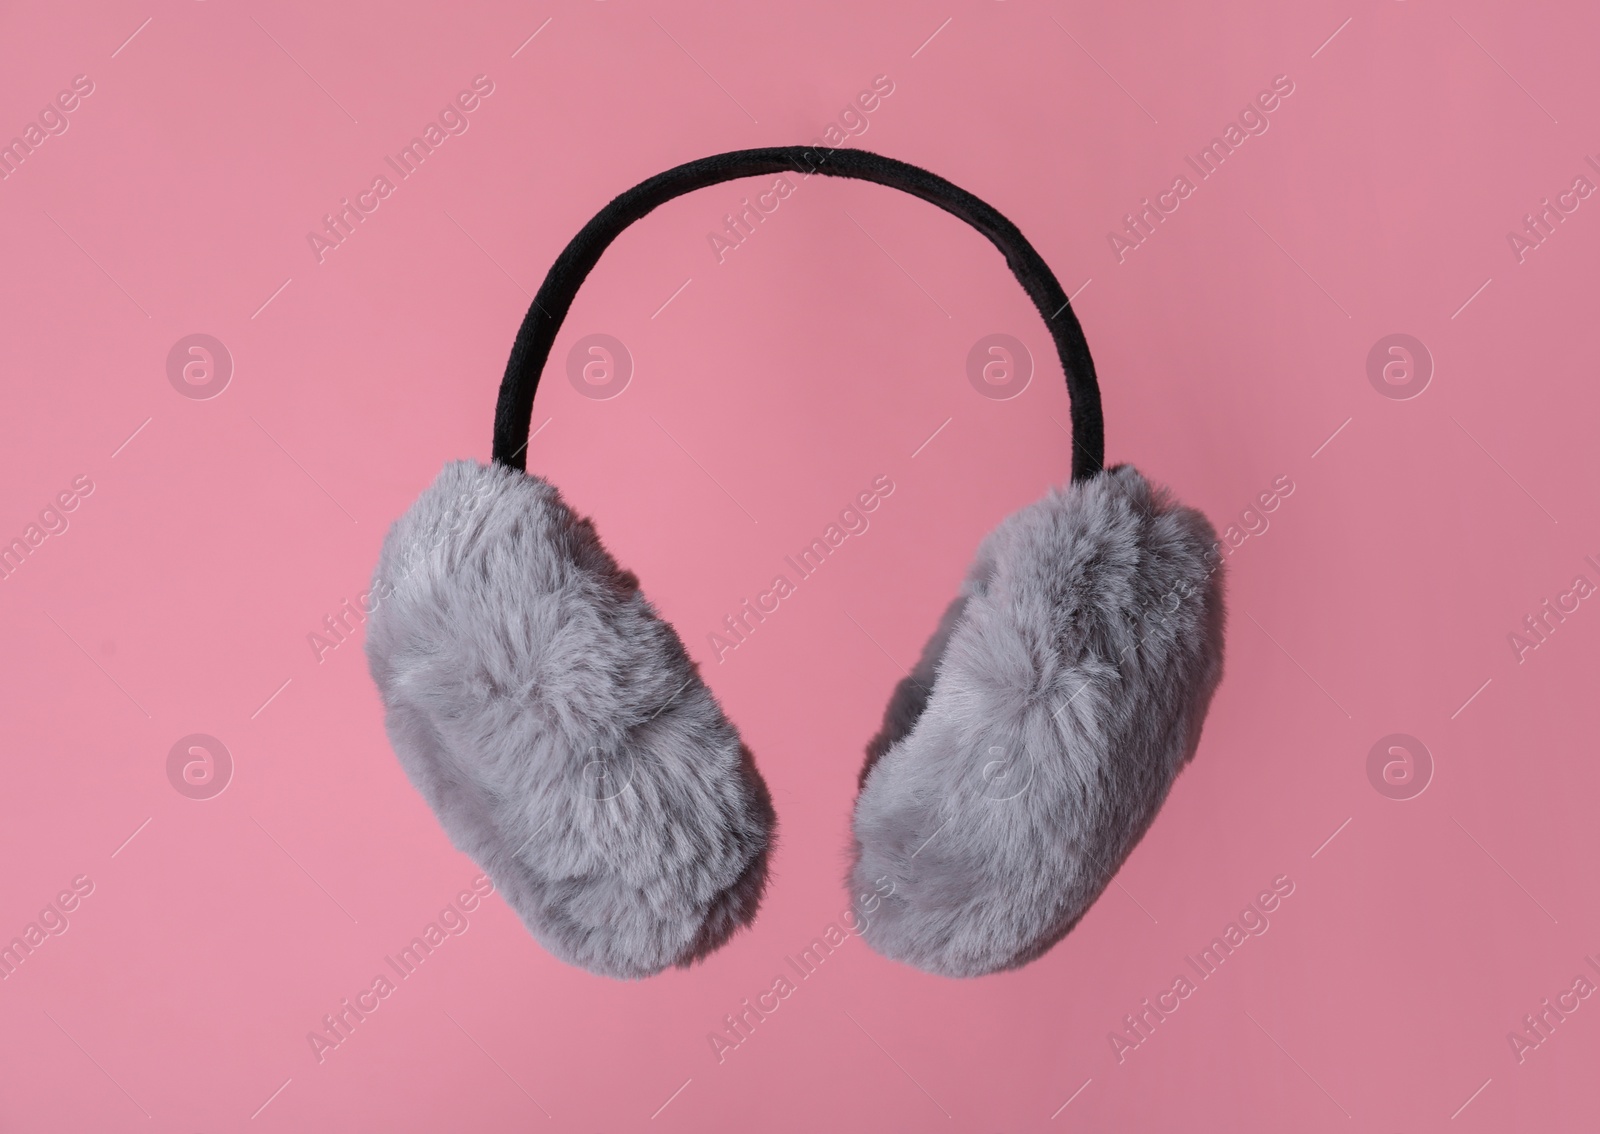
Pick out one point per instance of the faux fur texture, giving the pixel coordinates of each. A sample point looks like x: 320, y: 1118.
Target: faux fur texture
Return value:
x: 1068, y: 684
x: 560, y: 731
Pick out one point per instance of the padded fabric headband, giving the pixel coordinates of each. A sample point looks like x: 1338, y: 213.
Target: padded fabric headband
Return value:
x: 514, y: 410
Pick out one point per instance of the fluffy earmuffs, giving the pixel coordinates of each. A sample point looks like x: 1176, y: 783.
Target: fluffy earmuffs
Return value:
x: 1032, y: 744
x: 559, y: 730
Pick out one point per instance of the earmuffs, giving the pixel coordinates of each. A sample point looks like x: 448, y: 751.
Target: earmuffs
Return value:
x: 567, y: 743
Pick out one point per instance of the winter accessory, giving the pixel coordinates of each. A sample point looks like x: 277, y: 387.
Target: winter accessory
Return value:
x: 559, y: 730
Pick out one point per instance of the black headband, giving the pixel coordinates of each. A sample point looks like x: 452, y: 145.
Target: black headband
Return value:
x: 514, y: 411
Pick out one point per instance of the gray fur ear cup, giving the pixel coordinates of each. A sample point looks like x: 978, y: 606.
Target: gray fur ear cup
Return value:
x: 559, y: 730
x: 1026, y: 755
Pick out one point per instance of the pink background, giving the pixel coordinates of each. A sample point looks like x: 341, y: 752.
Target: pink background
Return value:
x: 766, y: 394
